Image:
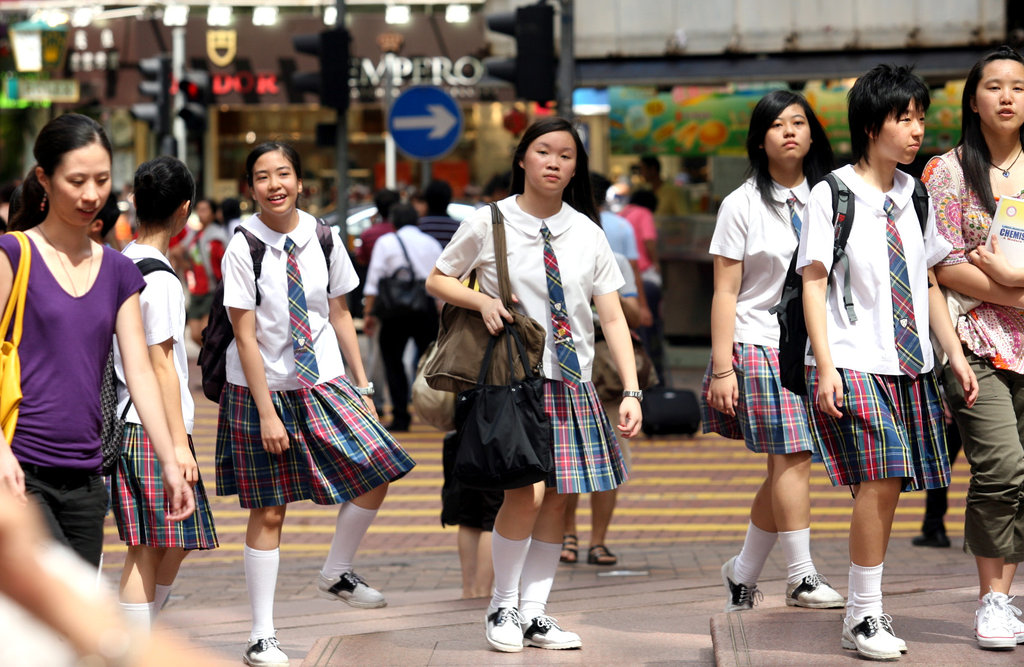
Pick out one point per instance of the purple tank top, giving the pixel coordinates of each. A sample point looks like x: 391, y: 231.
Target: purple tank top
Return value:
x: 64, y: 347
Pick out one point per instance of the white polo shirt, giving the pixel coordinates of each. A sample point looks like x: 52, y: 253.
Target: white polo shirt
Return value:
x: 765, y: 241
x: 272, y: 319
x: 585, y: 262
x: 868, y: 345
x: 388, y: 257
x: 163, y: 318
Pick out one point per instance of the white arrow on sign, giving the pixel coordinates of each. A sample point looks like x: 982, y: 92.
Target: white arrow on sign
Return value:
x: 440, y: 121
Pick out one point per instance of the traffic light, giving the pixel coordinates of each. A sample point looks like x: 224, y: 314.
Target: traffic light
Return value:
x: 331, y: 82
x: 532, y: 72
x: 196, y: 97
x: 156, y: 83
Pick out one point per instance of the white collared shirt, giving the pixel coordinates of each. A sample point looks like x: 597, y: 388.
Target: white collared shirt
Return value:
x: 585, y: 262
x: 387, y: 256
x: 868, y: 345
x: 273, y: 332
x: 765, y: 241
x: 163, y: 318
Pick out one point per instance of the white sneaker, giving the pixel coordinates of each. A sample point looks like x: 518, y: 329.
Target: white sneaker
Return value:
x: 995, y: 622
x: 350, y: 588
x: 505, y: 629
x: 544, y: 632
x: 872, y: 638
x: 741, y: 596
x: 265, y: 653
x: 813, y: 592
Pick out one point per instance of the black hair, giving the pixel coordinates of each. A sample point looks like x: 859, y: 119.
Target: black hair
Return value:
x: 652, y: 162
x: 287, y: 150
x: 502, y: 181
x: 645, y: 198
x: 108, y: 215
x: 384, y: 200
x: 60, y: 136
x: 882, y: 93
x: 818, y: 161
x: 438, y: 195
x: 161, y: 185
x: 403, y: 214
x: 578, y: 193
x: 973, y: 152
x: 231, y: 208
x: 599, y: 183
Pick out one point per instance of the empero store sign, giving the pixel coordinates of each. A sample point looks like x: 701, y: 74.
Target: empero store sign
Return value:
x: 419, y: 71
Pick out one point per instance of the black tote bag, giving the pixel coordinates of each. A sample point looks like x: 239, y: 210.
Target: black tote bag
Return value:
x: 505, y: 438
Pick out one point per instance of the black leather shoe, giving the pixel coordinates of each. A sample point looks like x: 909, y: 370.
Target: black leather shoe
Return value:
x: 398, y: 425
x: 931, y: 540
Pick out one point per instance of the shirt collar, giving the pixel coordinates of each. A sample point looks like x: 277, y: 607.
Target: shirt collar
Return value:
x: 300, y: 236
x: 801, y: 192
x: 901, y: 192
x: 530, y: 225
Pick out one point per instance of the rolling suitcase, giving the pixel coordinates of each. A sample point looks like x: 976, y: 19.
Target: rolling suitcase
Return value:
x: 670, y: 411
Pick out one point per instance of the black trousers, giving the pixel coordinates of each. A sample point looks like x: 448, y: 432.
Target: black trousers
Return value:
x: 937, y: 500
x: 394, y: 336
x: 73, y: 504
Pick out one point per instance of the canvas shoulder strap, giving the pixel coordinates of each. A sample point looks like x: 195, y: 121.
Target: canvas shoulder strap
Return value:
x: 501, y: 255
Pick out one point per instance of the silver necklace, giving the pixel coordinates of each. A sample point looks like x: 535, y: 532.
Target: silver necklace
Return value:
x: 92, y: 256
x: 1006, y: 172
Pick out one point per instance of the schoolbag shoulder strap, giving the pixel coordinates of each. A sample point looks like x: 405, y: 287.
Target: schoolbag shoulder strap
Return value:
x: 257, y: 248
x: 920, y: 198
x: 148, y: 265
x: 842, y: 221
x: 324, y: 234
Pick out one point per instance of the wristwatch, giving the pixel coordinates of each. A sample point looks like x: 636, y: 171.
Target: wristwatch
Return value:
x: 633, y: 393
x: 367, y: 390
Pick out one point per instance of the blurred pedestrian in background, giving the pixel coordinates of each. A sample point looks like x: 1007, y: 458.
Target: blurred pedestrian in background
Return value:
x: 201, y: 252
x: 437, y: 223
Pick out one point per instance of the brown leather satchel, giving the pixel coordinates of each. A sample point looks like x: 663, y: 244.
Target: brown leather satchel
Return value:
x: 462, y: 336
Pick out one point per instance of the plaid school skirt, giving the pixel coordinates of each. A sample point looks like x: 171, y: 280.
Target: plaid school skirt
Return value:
x: 891, y: 426
x: 769, y: 418
x: 137, y: 492
x: 586, y: 452
x: 337, y: 449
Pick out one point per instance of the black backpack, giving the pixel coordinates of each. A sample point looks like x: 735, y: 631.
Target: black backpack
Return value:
x: 112, y: 427
x: 218, y: 333
x: 790, y: 309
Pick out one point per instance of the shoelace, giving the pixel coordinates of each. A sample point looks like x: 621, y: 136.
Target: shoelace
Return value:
x: 509, y: 614
x: 1002, y: 610
x: 873, y: 625
x: 747, y: 594
x: 885, y: 621
x: 354, y: 579
x: 266, y: 644
x: 815, y: 580
x: 546, y: 623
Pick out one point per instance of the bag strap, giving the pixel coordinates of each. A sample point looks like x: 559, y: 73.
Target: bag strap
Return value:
x: 920, y: 198
x: 842, y: 221
x: 406, y: 253
x: 501, y: 255
x: 326, y: 238
x: 513, y: 335
x: 19, y: 287
x: 256, y: 250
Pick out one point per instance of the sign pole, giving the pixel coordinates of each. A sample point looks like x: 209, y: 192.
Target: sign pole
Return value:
x: 389, y: 140
x: 566, y: 61
x: 341, y: 152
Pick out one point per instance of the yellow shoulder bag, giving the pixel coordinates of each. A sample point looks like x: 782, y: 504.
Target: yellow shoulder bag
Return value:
x: 10, y: 366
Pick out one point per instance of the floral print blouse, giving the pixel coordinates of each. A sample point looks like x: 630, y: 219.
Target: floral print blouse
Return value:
x: 990, y: 331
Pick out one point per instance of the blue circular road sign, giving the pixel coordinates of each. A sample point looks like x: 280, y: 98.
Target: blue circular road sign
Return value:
x: 425, y: 122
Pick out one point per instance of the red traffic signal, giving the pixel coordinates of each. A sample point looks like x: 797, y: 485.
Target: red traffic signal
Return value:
x: 197, y: 95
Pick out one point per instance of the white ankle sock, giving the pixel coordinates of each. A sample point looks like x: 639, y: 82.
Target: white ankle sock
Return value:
x: 138, y: 614
x: 162, y: 593
x: 756, y: 547
x: 796, y: 547
x: 538, y: 576
x: 261, y: 580
x: 865, y: 594
x: 353, y: 522
x: 508, y: 557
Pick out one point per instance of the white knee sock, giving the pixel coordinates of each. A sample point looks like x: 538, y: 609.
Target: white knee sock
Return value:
x: 162, y: 593
x: 353, y: 522
x: 865, y: 594
x: 756, y: 547
x: 261, y: 580
x: 508, y: 557
x: 796, y: 547
x: 138, y: 614
x: 538, y: 576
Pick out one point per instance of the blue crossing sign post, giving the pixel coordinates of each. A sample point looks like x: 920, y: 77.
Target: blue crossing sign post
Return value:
x: 425, y: 123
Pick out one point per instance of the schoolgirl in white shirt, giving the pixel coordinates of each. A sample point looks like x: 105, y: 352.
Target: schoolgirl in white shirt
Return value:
x: 755, y: 238
x: 163, y: 192
x: 293, y: 425
x: 877, y: 414
x: 552, y: 198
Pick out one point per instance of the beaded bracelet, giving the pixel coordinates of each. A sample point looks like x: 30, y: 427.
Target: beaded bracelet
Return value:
x: 723, y: 374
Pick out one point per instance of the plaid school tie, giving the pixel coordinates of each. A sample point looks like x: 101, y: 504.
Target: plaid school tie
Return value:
x: 566, y: 349
x: 298, y: 316
x: 908, y: 343
x: 793, y: 216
